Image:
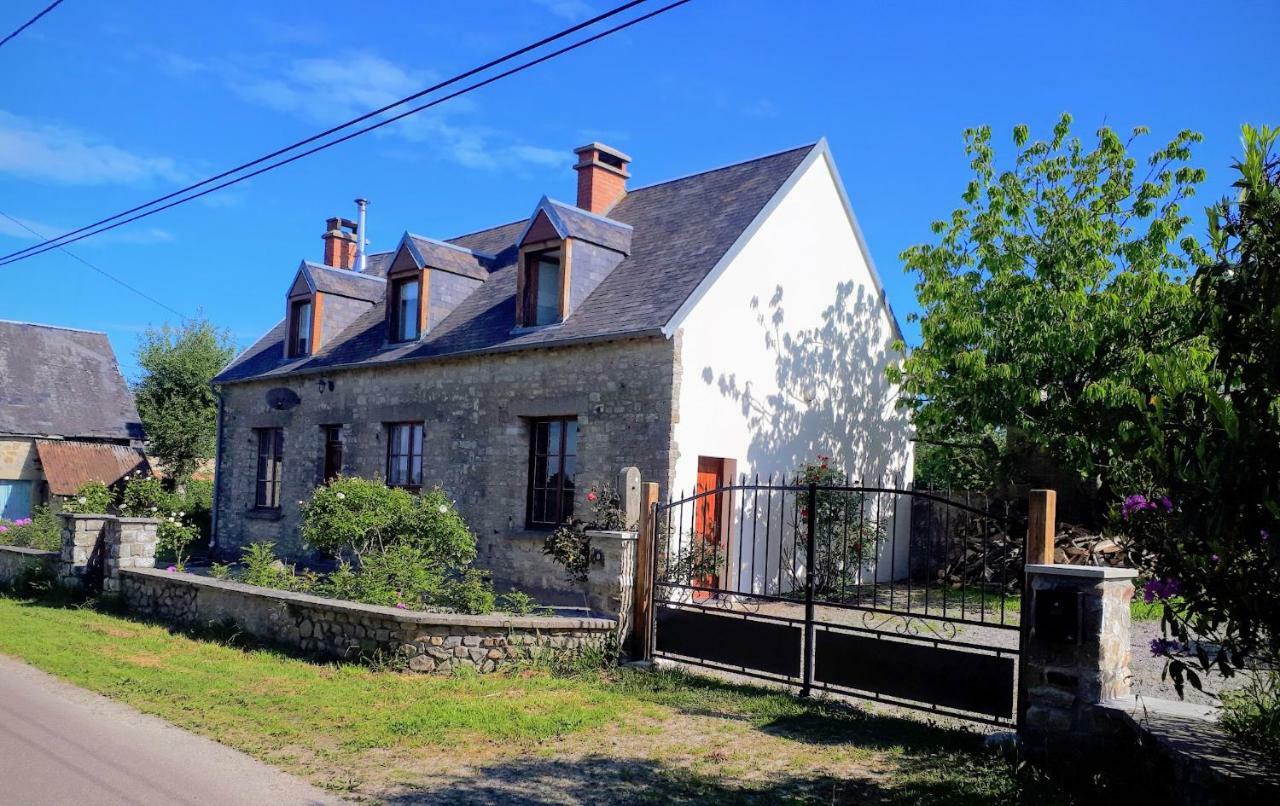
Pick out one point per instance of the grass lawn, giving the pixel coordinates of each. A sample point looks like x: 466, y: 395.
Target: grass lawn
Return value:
x: 527, y: 735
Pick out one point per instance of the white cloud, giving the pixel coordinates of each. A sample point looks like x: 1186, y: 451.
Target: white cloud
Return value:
x: 54, y: 153
x: 329, y: 90
x: 568, y: 9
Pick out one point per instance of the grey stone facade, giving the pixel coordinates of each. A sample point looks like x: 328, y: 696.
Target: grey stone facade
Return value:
x: 428, y: 642
x: 476, y: 412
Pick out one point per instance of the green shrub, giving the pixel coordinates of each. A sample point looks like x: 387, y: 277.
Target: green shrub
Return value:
x: 519, y: 603
x: 400, y: 575
x: 197, y: 501
x: 263, y: 568
x: 471, y: 592
x: 40, y: 531
x: 94, y: 498
x: 220, y: 570
x: 146, y: 497
x: 1253, y: 713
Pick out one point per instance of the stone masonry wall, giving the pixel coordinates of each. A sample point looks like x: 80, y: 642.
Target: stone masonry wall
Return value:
x: 15, y: 562
x: 430, y: 642
x: 476, y: 413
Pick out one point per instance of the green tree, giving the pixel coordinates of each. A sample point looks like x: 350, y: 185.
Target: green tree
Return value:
x: 175, y: 394
x: 1048, y: 301
x: 1217, y: 428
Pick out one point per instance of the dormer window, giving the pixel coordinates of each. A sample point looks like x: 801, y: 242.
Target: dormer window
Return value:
x: 543, y: 287
x: 300, y: 327
x: 406, y: 308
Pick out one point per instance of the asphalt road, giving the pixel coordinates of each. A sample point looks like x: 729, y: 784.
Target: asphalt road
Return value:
x: 60, y: 744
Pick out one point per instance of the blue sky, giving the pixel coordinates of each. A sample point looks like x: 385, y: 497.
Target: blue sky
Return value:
x: 107, y: 105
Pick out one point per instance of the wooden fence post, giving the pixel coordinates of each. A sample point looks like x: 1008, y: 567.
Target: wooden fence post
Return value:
x: 1042, y: 526
x: 645, y: 549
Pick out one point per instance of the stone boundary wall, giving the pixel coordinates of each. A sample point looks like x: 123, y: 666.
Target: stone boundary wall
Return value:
x: 16, y: 561
x: 431, y: 642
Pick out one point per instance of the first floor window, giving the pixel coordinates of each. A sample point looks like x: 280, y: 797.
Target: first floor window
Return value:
x: 542, y: 287
x: 300, y: 328
x: 553, y: 456
x: 404, y: 309
x: 270, y: 467
x: 404, y: 454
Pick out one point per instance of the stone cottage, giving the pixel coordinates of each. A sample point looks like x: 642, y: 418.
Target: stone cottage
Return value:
x: 66, y: 416
x: 729, y: 322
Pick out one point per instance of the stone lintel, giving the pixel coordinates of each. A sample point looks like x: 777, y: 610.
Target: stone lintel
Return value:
x: 1094, y: 572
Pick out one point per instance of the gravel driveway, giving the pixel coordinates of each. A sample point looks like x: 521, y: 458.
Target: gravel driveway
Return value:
x: 1147, y: 670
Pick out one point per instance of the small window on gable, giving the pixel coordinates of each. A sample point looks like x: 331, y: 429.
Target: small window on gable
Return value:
x: 543, y: 287
x: 300, y: 328
x: 405, y: 308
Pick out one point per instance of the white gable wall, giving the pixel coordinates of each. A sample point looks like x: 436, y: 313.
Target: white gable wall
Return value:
x: 783, y: 353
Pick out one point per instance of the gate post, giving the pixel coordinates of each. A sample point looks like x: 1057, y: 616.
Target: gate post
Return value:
x: 812, y: 521
x: 646, y: 550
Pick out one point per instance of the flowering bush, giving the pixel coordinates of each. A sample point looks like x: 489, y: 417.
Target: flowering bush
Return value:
x: 40, y: 531
x: 93, y: 498
x: 844, y: 539
x: 570, y: 546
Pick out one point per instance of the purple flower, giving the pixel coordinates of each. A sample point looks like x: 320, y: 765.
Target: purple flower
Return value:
x: 1162, y: 646
x: 1136, y: 503
x: 402, y: 605
x: 1159, y: 589
x: 1166, y: 503
x: 172, y: 568
x: 1213, y: 557
x: 1264, y: 534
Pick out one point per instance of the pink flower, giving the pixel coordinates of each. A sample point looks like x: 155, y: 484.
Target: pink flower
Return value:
x: 591, y: 496
x: 172, y: 568
x: 402, y: 605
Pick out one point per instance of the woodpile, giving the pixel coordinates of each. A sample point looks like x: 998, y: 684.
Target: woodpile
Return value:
x: 992, y: 559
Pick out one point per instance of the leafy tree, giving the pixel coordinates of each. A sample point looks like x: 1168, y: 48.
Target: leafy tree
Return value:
x: 1217, y: 429
x: 1048, y: 299
x: 175, y: 395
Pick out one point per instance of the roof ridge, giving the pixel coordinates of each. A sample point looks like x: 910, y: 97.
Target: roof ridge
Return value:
x: 448, y: 245
x: 806, y: 147
x: 575, y: 208
x: 52, y: 327
x: 345, y: 272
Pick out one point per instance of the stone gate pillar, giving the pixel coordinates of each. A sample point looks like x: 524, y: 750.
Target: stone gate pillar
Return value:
x: 1076, y: 655
x: 80, y: 536
x: 130, y: 543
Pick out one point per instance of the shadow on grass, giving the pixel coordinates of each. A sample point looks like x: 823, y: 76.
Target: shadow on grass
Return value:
x: 603, y: 779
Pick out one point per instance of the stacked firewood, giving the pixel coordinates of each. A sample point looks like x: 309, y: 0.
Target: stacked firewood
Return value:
x: 991, y: 559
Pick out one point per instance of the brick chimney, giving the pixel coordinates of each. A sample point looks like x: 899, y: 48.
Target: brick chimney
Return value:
x: 602, y: 177
x: 340, y: 243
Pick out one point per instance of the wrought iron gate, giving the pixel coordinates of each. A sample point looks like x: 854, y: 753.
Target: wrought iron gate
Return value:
x: 897, y: 595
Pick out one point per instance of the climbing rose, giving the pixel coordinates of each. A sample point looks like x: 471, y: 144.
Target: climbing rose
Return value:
x: 591, y: 496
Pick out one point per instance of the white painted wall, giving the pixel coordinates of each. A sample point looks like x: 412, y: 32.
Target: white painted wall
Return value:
x: 784, y: 355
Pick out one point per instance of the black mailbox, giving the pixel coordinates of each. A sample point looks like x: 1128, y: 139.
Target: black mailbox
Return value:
x: 1058, y: 616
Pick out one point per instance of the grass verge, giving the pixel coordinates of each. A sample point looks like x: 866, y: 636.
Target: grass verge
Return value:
x: 621, y: 735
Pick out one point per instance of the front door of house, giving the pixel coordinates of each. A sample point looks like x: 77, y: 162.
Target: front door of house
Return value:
x: 707, y: 525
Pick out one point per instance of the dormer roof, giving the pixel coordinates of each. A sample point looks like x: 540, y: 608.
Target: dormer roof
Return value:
x: 573, y: 222
x: 445, y: 256
x: 342, y: 282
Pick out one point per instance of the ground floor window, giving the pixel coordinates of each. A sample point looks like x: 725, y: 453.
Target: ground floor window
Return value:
x: 332, y: 452
x: 553, y: 454
x: 404, y: 454
x: 15, y: 499
x: 270, y: 467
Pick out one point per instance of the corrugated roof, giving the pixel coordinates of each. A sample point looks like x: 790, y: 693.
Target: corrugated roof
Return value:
x: 57, y: 381
x: 680, y: 230
x: 68, y: 465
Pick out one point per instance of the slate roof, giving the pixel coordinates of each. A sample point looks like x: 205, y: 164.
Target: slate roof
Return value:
x: 345, y: 283
x: 62, y: 382
x: 680, y: 230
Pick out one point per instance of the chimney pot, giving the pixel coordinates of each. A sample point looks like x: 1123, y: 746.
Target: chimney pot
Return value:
x: 339, y: 243
x: 602, y: 176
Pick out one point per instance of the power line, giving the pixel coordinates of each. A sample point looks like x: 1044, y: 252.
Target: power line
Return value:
x: 101, y: 271
x: 24, y: 26
x: 40, y: 247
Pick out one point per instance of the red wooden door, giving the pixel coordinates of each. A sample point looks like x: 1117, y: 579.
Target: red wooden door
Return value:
x: 706, y: 525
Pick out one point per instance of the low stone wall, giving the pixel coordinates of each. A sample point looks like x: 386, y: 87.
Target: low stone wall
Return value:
x: 15, y: 562
x: 431, y: 642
